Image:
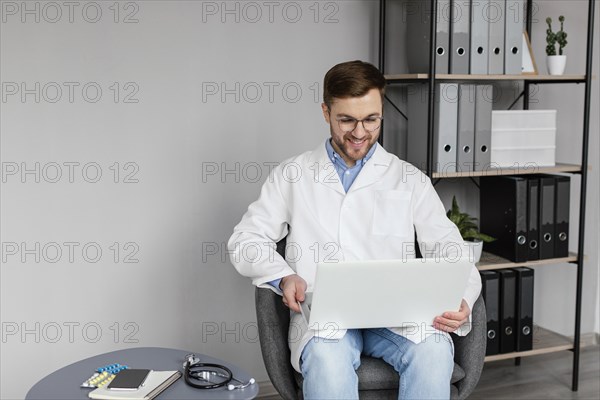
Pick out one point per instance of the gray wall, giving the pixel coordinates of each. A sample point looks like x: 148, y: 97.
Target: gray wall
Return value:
x: 191, y: 157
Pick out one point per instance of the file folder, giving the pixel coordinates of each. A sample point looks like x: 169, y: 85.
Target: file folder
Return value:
x: 418, y: 15
x: 460, y: 26
x: 533, y: 232
x: 507, y: 310
x: 445, y: 126
x: 491, y: 297
x: 484, y: 94
x: 513, y: 37
x: 496, y: 18
x: 479, y: 37
x: 503, y: 205
x: 524, y: 278
x: 442, y: 50
x: 466, y: 128
x: 547, y: 203
x: 561, y: 216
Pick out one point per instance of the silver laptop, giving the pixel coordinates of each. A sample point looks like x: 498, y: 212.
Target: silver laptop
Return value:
x: 384, y: 293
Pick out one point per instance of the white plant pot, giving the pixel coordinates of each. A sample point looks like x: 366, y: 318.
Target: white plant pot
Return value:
x: 556, y: 64
x: 475, y: 248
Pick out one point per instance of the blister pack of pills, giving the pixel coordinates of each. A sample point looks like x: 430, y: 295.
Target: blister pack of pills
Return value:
x: 103, y: 376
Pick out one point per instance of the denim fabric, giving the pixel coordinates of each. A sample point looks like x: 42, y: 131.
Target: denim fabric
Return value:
x: 329, y: 366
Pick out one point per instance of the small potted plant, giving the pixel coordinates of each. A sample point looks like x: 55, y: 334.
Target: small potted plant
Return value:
x: 556, y: 63
x: 467, y: 227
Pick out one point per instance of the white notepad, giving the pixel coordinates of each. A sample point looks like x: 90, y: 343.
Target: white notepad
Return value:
x: 155, y: 383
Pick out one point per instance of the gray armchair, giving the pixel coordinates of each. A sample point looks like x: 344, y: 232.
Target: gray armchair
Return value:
x: 377, y: 379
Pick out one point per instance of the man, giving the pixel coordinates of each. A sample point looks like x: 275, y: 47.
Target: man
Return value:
x: 351, y: 200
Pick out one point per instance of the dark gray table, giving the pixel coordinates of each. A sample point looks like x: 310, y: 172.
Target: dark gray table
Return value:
x: 64, y: 384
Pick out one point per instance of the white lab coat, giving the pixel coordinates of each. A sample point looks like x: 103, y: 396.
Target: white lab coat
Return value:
x: 376, y: 219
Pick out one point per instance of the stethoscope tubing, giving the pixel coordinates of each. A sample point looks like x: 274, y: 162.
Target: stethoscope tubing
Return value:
x: 194, y: 369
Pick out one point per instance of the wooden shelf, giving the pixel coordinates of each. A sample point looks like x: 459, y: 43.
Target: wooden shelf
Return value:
x: 491, y: 261
x: 464, y: 77
x: 544, y: 341
x: 522, y: 170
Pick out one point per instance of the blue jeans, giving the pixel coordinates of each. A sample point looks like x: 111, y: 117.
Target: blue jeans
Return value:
x: 329, y: 366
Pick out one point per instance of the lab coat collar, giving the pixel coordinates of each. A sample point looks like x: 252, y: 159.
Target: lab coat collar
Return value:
x: 326, y: 174
x: 323, y: 171
x: 373, y: 170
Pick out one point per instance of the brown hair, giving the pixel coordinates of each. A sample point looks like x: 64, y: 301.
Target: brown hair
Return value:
x: 351, y: 79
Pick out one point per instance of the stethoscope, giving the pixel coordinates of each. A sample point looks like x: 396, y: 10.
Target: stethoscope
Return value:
x: 197, y: 372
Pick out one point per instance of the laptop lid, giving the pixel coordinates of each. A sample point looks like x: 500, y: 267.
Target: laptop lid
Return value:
x: 385, y: 293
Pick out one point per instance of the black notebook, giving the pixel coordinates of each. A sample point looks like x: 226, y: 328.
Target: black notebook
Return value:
x: 129, y: 379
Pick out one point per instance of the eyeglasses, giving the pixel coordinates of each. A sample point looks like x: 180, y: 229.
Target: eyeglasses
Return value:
x: 370, y: 124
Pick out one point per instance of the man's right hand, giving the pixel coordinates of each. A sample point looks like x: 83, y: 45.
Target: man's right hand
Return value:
x: 293, y: 288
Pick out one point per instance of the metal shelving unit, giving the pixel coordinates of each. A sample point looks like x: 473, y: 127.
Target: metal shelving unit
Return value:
x: 545, y: 341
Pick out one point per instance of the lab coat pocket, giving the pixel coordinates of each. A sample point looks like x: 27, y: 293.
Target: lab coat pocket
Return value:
x: 392, y: 215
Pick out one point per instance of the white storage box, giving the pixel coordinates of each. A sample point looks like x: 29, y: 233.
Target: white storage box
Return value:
x: 523, y: 119
x: 522, y: 157
x: 530, y: 138
x: 523, y: 137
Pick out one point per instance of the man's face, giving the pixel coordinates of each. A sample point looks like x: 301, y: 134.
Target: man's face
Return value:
x: 355, y: 145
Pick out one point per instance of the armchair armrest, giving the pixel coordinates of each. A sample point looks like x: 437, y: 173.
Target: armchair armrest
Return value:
x: 273, y: 320
x: 469, y: 350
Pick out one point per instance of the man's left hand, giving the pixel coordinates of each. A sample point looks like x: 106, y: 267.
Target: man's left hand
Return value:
x: 452, y: 320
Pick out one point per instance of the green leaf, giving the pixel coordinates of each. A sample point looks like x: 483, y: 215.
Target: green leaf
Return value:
x: 466, y: 224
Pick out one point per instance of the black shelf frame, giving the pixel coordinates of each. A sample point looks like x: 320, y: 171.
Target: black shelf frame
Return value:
x: 482, y: 78
x: 526, y: 100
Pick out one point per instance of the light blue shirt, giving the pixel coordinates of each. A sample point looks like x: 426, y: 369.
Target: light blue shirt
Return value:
x: 347, y: 175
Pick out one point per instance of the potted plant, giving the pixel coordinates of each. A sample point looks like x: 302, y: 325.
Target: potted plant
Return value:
x: 467, y: 226
x: 556, y: 63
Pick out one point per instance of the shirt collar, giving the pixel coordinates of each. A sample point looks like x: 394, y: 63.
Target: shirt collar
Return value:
x: 337, y: 159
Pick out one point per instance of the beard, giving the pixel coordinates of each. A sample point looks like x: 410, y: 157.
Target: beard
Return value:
x: 347, y: 148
